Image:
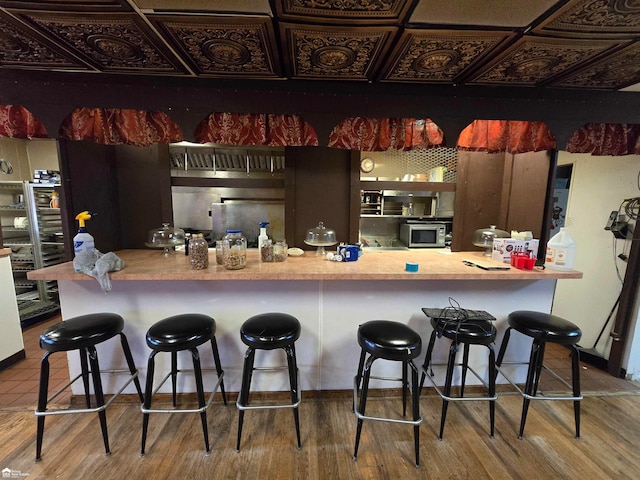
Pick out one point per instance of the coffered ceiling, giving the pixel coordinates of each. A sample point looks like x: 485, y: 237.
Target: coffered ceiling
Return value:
x: 574, y: 44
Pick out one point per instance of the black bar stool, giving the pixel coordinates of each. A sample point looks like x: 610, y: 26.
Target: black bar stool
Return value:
x: 83, y: 333
x: 397, y: 342
x: 461, y: 330
x: 175, y: 334
x: 543, y: 328
x: 269, y: 331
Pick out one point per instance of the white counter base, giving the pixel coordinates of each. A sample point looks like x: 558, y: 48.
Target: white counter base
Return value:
x: 329, y: 311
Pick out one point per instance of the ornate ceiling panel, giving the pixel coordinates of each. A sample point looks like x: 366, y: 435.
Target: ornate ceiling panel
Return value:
x: 336, y: 53
x: 224, y: 46
x: 588, y: 18
x: 533, y: 61
x: 577, y: 44
x: 22, y: 48
x: 438, y: 55
x: 109, y: 42
x: 621, y: 67
x: 390, y: 12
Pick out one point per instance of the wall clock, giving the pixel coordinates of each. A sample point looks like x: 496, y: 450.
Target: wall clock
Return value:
x: 367, y: 165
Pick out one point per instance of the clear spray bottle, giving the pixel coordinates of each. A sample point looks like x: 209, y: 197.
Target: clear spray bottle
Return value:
x: 83, y: 240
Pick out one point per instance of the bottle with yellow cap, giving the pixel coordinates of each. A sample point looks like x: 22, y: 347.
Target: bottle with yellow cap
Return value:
x: 83, y: 241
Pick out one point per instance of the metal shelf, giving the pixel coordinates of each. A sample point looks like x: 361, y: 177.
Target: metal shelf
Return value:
x: 31, y: 247
x: 17, y: 242
x: 31, y: 309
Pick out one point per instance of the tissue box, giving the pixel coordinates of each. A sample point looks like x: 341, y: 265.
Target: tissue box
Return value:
x: 503, y: 247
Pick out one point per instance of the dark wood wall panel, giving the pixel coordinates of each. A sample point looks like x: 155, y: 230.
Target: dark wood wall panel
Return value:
x: 144, y: 181
x: 478, y: 196
x: 528, y: 192
x: 91, y: 183
x: 317, y: 189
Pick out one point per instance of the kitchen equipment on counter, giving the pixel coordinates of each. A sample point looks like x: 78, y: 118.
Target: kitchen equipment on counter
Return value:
x: 483, y: 238
x: 166, y: 238
x: 423, y: 234
x: 320, y: 237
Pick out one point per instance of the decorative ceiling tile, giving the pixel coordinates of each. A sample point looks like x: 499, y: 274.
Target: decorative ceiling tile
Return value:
x: 614, y: 72
x: 588, y: 18
x: 21, y: 48
x: 335, y: 53
x: 389, y: 12
x: 114, y: 43
x: 550, y: 43
x: 535, y: 60
x: 70, y: 5
x: 224, y: 46
x: 439, y: 56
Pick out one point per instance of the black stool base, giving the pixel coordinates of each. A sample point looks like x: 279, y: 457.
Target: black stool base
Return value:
x: 83, y: 333
x: 184, y: 332
x: 543, y: 328
x: 269, y: 331
x: 467, y: 333
x: 391, y: 341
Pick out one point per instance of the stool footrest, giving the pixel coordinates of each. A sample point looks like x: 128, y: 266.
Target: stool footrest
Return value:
x: 184, y: 410
x: 99, y: 408
x: 269, y: 407
x: 361, y: 416
x: 538, y: 397
x: 457, y: 399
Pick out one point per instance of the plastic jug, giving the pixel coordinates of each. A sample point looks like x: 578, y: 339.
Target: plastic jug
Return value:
x: 561, y: 251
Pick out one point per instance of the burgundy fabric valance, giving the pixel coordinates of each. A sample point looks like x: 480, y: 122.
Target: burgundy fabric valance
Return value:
x: 18, y: 122
x: 380, y: 134
x: 606, y: 139
x: 511, y: 136
x: 273, y: 130
x: 115, y: 126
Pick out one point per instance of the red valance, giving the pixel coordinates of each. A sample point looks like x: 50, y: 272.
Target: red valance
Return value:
x: 380, y: 134
x: 115, y: 126
x: 18, y: 122
x: 511, y: 136
x: 606, y: 139
x: 273, y: 130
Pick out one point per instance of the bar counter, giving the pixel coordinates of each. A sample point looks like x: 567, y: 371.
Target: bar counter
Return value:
x: 373, y: 265
x: 329, y: 298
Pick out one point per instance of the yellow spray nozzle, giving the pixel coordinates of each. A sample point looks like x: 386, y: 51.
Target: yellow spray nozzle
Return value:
x: 82, y: 216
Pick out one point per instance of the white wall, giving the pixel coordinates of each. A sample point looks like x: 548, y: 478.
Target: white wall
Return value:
x: 11, y: 332
x: 598, y: 186
x: 28, y: 155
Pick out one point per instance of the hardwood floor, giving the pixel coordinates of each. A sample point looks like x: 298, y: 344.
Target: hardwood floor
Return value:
x: 73, y: 447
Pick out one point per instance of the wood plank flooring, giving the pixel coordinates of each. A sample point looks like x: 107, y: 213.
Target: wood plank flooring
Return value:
x: 175, y: 449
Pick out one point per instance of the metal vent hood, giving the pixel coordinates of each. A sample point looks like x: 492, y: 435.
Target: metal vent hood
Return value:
x: 210, y: 158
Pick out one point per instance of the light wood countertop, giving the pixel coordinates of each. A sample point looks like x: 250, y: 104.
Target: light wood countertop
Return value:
x: 4, y: 252
x: 373, y: 265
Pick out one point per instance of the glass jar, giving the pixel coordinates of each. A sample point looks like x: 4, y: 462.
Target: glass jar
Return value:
x: 266, y: 250
x: 234, y: 250
x: 219, y: 252
x: 280, y: 252
x: 198, y: 252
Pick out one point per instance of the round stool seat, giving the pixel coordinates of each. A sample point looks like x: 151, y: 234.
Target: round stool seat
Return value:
x: 389, y: 340
x: 269, y: 331
x: 544, y: 326
x: 181, y: 332
x: 81, y: 332
x: 476, y: 332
